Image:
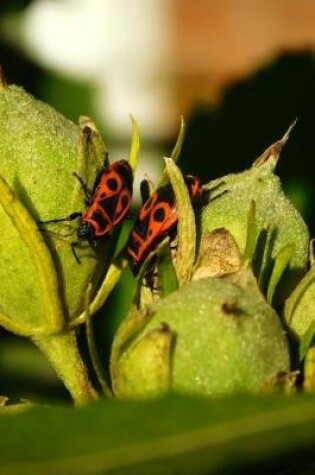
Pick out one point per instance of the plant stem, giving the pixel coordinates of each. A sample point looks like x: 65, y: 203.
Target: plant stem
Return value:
x: 62, y: 351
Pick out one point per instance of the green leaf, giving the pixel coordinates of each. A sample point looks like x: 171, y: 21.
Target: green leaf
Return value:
x: 175, y: 152
x: 186, y: 228
x: 307, y: 340
x: 251, y: 233
x: 135, y: 144
x: 179, y: 142
x: 299, y: 310
x: 112, y: 277
x: 282, y: 260
x: 167, y: 436
x: 168, y: 282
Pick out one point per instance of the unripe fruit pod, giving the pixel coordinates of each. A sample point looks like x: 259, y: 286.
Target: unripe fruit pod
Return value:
x: 278, y: 223
x: 39, y: 151
x: 212, y: 336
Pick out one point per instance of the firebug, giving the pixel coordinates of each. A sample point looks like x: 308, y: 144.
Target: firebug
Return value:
x: 156, y: 220
x: 106, y: 204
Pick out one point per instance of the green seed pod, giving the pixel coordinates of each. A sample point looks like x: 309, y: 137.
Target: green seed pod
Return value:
x: 212, y: 336
x: 43, y: 288
x: 39, y: 151
x: 278, y: 224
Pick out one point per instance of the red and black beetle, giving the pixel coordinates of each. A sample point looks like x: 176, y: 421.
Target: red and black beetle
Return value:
x: 156, y: 220
x: 106, y: 204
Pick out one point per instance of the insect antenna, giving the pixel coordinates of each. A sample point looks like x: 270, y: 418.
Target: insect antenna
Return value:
x: 86, y: 191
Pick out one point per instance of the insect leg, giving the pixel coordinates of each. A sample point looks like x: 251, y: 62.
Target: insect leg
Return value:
x: 71, y: 217
x: 87, y: 192
x: 73, y: 246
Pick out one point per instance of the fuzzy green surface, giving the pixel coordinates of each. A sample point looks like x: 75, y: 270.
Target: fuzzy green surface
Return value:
x: 273, y: 209
x: 227, y: 339
x: 38, y: 155
x: 154, y: 372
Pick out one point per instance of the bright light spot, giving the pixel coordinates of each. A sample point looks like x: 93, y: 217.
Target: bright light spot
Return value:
x: 122, y: 47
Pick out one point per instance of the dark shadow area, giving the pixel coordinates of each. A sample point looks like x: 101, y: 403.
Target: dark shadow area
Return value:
x: 298, y: 462
x: 26, y: 374
x: 254, y: 113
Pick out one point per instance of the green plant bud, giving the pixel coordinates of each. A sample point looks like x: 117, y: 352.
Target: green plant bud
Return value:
x: 39, y: 151
x: 45, y: 293
x: 212, y: 336
x: 277, y: 223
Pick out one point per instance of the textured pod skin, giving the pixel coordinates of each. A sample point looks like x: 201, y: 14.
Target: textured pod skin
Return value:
x: 225, y: 339
x: 38, y: 155
x: 278, y: 223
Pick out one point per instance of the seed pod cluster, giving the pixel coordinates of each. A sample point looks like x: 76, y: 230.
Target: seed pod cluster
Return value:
x: 218, y: 333
x: 212, y: 328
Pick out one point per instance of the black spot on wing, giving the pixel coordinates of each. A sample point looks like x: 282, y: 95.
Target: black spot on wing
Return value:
x: 141, y: 227
x: 109, y: 206
x: 125, y: 171
x: 166, y: 194
x: 100, y: 219
x: 124, y: 201
x: 112, y: 184
x: 159, y: 215
x: 134, y: 246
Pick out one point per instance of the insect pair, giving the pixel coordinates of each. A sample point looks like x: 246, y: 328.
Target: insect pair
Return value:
x: 108, y: 203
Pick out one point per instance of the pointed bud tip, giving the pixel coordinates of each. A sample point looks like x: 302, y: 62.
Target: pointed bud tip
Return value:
x: 134, y: 123
x: 272, y: 154
x: 286, y: 136
x: 87, y: 125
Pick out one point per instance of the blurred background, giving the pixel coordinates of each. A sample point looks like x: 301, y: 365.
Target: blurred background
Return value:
x: 239, y: 71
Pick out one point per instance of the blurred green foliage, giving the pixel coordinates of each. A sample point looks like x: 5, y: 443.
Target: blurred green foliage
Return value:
x: 238, y: 435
